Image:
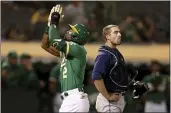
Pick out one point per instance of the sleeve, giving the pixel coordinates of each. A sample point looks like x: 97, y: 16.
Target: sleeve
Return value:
x: 101, y: 66
x: 69, y: 48
x: 53, y: 33
x: 56, y: 41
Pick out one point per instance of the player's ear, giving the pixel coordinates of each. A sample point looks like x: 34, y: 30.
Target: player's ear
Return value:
x: 107, y: 37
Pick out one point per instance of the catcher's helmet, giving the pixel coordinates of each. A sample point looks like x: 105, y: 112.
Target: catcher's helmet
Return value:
x: 79, y: 34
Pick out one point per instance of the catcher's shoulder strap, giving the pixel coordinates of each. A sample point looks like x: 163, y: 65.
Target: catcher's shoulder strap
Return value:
x: 102, y: 49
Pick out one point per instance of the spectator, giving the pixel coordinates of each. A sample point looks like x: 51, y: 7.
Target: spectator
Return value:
x: 99, y: 12
x: 130, y: 33
x: 162, y: 28
x: 156, y: 98
x: 38, y: 23
x: 10, y: 71
x: 142, y: 28
x: 28, y: 77
x: 74, y: 13
x: 13, y: 33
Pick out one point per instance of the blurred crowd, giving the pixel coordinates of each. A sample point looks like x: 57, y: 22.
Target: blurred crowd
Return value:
x: 26, y: 21
x: 19, y: 71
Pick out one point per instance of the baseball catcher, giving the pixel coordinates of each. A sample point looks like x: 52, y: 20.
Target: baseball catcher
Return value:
x: 111, y: 76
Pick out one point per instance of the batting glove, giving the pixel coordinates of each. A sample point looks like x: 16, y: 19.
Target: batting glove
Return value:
x: 55, y: 15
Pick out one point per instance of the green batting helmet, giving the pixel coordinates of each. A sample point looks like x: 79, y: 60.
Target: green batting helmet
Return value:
x: 79, y: 34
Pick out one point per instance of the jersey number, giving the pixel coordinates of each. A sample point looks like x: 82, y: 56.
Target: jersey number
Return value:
x: 63, y: 64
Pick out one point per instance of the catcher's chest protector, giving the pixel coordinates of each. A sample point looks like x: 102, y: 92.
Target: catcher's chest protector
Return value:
x: 118, y: 77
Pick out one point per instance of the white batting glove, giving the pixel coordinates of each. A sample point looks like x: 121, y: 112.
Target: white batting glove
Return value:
x: 57, y: 9
x: 49, y: 18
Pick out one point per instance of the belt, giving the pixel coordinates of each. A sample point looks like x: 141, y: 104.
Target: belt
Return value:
x: 67, y: 93
x: 122, y: 93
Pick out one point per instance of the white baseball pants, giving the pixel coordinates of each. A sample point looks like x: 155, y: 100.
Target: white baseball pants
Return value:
x: 75, y: 102
x: 103, y: 105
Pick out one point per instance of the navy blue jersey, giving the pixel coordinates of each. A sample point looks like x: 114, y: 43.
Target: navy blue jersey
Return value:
x: 110, y: 66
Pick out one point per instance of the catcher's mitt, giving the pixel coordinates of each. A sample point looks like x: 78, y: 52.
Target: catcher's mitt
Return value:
x: 139, y: 89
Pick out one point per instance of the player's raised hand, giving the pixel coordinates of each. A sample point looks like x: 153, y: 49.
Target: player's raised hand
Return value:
x: 56, y: 15
x: 49, y: 18
x: 59, y: 9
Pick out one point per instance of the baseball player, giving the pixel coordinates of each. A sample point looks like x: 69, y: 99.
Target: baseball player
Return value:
x: 156, y: 99
x: 111, y: 76
x: 28, y: 77
x: 71, y: 50
x: 10, y: 71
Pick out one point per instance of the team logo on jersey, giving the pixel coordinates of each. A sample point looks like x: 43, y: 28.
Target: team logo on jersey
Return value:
x: 55, y: 44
